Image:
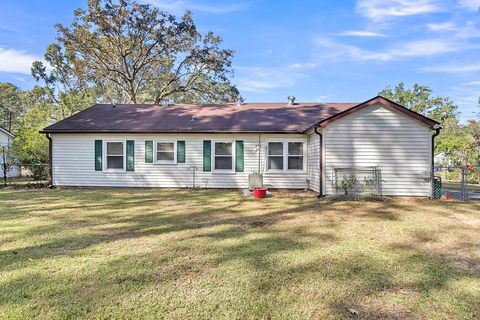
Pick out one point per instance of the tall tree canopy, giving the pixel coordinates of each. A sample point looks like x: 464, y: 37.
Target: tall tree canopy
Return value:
x: 68, y: 93
x: 11, y: 107
x: 136, y: 53
x: 420, y: 99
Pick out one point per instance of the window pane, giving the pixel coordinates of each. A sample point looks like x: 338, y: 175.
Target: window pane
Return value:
x: 223, y: 163
x: 295, y: 163
x: 115, y: 148
x: 295, y: 148
x: 165, y: 147
x: 275, y: 148
x: 114, y: 162
x: 275, y: 163
x: 165, y: 156
x: 223, y: 148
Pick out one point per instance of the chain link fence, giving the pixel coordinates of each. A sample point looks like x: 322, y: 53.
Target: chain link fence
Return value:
x: 357, y: 181
x: 459, y: 182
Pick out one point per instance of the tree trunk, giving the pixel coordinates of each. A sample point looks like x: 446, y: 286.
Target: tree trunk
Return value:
x: 10, y: 121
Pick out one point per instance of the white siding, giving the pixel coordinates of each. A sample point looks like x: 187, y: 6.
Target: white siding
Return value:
x: 73, y: 163
x: 6, y: 140
x: 377, y: 136
x: 314, y: 161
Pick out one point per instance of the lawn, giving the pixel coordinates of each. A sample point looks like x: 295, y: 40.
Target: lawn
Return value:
x: 151, y: 253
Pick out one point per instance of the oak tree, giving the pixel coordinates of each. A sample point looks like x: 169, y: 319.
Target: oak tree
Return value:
x: 137, y: 53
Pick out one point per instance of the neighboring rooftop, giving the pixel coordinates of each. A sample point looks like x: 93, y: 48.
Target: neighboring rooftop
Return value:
x: 228, y: 118
x: 6, y: 132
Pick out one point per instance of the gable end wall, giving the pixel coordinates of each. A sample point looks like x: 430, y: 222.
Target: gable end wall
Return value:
x: 378, y: 136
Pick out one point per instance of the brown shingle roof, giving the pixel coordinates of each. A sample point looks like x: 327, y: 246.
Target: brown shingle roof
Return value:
x: 230, y: 118
x: 249, y: 117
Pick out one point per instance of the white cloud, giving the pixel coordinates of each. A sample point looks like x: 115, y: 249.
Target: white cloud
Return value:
x: 261, y: 79
x: 353, y: 33
x: 179, y: 6
x: 475, y: 67
x: 381, y: 9
x: 473, y: 5
x: 419, y: 48
x: 16, y: 61
x: 471, y: 83
x: 444, y: 26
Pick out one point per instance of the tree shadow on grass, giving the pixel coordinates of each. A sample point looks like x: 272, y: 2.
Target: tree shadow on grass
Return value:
x: 283, y: 264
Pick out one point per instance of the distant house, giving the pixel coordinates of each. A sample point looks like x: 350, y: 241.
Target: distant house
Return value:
x: 5, y: 141
x: 294, y: 145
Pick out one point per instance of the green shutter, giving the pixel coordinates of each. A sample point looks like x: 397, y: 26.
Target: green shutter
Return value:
x: 207, y: 155
x: 149, y: 151
x: 98, y: 155
x: 130, y: 155
x: 239, y: 156
x: 180, y: 151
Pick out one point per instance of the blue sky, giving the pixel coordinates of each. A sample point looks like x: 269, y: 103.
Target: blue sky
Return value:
x: 315, y: 50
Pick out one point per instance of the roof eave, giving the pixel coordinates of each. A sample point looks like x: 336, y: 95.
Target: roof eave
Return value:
x: 45, y: 131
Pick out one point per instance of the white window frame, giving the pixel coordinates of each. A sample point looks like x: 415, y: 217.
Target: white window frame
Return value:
x: 267, y: 156
x: 214, y: 170
x: 286, y: 156
x: 156, y: 161
x: 105, y: 163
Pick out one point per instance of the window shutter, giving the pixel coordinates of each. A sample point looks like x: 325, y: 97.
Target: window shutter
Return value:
x: 239, y: 156
x: 149, y: 151
x: 130, y: 155
x: 207, y: 155
x: 180, y: 151
x: 98, y: 155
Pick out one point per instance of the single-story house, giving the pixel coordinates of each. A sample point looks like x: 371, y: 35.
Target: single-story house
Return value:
x: 294, y: 146
x: 5, y: 141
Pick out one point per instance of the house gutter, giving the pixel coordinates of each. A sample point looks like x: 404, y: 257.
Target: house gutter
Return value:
x: 50, y: 153
x: 437, y: 132
x: 320, y: 162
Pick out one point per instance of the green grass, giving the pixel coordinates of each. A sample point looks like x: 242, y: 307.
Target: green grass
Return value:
x: 156, y: 253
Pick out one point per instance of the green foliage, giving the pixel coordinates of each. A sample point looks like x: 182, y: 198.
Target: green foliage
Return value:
x: 11, y: 107
x: 67, y: 92
x: 420, y: 99
x: 31, y: 147
x: 348, y: 183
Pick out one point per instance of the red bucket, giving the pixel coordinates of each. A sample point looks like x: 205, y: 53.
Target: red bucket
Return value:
x: 259, y: 193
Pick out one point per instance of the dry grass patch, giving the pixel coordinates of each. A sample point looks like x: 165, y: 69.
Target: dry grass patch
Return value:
x: 151, y: 253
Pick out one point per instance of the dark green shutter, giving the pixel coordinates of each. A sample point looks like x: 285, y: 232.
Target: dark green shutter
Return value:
x: 239, y: 156
x: 180, y: 151
x: 207, y: 155
x: 98, y: 155
x: 130, y: 155
x: 149, y: 151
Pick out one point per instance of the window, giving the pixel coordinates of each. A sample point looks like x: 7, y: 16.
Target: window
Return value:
x: 223, y: 156
x: 115, y: 155
x: 295, y: 156
x: 285, y: 155
x: 166, y: 152
x: 275, y: 156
